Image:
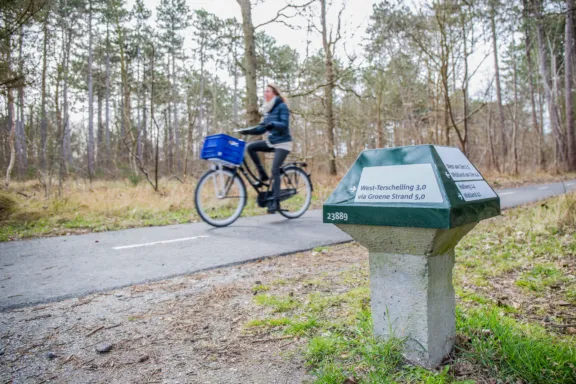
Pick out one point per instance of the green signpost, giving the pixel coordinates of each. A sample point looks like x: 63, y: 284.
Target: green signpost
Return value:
x: 422, y: 186
x: 410, y: 206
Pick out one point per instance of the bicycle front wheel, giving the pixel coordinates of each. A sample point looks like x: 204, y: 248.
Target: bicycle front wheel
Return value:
x: 220, y: 197
x: 296, y: 192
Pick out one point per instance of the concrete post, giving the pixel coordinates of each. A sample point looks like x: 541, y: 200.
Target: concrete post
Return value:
x: 412, y: 295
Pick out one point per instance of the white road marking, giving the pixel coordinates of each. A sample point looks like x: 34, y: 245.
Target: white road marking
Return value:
x: 569, y: 184
x: 542, y: 188
x: 159, y: 242
x: 506, y: 193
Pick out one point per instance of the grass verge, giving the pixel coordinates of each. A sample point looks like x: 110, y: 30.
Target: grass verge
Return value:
x: 515, y: 282
x: 105, y: 206
x: 112, y: 205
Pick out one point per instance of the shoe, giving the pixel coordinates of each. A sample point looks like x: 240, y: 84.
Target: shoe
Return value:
x: 273, y: 207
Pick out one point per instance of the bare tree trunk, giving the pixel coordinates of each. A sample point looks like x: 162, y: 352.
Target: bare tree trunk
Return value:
x: 502, y: 127
x: 445, y: 91
x: 22, y: 154
x: 32, y: 132
x: 153, y: 121
x: 491, y: 140
x: 11, y: 118
x: 561, y: 149
x: 90, y: 98
x: 65, y: 153
x: 144, y: 137
x: 12, y: 126
x: 119, y: 143
x: 528, y: 47
x: 99, y: 151
x: 379, y: 128
x: 437, y: 130
x: 107, y: 129
x: 67, y: 146
x: 192, y: 114
x: 541, y: 108
x: 126, y: 126
x: 176, y: 123
x: 516, y: 107
x: 465, y: 82
x: 545, y: 73
x: 201, y: 118
x: 235, y: 105
x: 141, y: 113
x: 59, y: 122
x: 328, y: 91
x: 214, y: 104
x: 305, y: 144
x: 166, y: 118
x: 138, y: 103
x: 252, y: 114
x: 568, y: 73
x: 44, y: 118
x: 58, y: 110
x: 168, y: 126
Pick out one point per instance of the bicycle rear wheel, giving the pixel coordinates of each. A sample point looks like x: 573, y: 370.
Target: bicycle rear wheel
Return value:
x: 296, y: 192
x: 220, y: 197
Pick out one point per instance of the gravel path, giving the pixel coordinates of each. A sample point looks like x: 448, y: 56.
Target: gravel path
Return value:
x: 189, y: 329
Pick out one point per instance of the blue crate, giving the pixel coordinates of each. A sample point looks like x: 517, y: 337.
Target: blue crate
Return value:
x: 223, y: 149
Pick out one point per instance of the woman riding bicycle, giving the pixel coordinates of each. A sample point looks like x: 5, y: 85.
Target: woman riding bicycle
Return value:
x: 276, y: 123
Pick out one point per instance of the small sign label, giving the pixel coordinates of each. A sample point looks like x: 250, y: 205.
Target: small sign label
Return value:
x: 459, y: 167
x: 474, y: 190
x: 414, y: 183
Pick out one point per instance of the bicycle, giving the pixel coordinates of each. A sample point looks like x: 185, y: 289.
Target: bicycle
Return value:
x: 221, y: 196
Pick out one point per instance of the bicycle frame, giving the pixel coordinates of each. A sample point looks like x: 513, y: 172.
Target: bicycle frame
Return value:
x: 264, y: 196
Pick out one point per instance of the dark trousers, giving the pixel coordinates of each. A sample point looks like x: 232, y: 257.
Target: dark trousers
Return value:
x: 279, y: 157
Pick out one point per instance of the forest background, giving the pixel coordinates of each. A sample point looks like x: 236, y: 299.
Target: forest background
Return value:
x: 96, y: 91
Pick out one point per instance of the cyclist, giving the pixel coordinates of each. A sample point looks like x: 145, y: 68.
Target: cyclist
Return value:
x: 276, y: 123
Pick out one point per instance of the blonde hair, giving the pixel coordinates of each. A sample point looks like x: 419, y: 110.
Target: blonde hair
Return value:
x: 276, y: 92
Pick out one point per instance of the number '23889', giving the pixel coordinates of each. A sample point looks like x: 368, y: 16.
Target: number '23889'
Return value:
x: 332, y: 216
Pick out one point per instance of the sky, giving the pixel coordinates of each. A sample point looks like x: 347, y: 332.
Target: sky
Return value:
x: 356, y: 15
x: 355, y: 20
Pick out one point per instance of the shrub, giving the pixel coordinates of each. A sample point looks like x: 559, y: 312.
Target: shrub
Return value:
x: 134, y: 179
x: 7, y: 206
x: 567, y: 214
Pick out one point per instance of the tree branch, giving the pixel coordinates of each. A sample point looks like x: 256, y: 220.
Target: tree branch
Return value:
x: 280, y: 14
x: 350, y: 90
x: 338, y: 28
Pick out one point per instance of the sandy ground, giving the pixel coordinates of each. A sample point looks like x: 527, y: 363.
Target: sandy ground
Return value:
x: 190, y: 329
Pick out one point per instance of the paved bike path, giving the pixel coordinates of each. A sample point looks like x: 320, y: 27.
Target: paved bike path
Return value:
x: 41, y: 270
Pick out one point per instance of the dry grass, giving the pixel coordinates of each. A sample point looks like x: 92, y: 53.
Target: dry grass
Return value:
x: 498, y: 180
x: 112, y: 205
x: 567, y: 214
x: 104, y: 205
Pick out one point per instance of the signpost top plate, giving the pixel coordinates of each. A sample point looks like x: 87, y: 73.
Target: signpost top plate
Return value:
x: 418, y: 186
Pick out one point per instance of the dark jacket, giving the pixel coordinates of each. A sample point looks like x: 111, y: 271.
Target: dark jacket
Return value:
x: 277, y: 122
